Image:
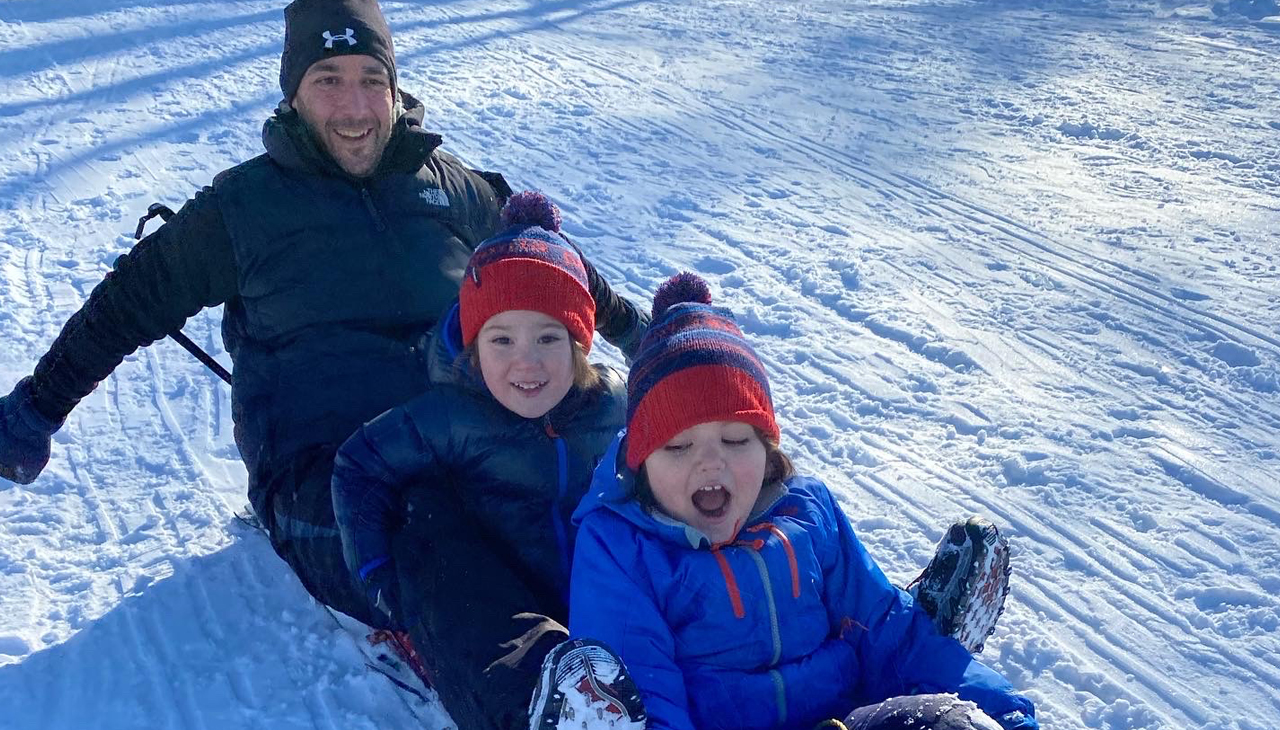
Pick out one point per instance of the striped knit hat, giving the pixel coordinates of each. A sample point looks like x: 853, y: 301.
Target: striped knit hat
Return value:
x: 693, y: 366
x: 528, y: 266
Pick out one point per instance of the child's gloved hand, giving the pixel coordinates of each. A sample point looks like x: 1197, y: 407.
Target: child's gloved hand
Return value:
x: 1018, y: 720
x: 25, y: 436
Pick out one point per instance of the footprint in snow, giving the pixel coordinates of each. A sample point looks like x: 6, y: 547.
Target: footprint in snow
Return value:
x: 713, y: 265
x: 1235, y: 354
x: 1188, y: 295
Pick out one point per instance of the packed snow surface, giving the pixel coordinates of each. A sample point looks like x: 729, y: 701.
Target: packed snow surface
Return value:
x: 1007, y: 257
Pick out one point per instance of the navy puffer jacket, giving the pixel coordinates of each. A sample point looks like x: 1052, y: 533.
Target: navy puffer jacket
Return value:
x: 520, y: 479
x: 329, y: 283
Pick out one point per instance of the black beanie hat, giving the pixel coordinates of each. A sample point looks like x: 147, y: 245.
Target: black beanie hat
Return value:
x: 317, y: 29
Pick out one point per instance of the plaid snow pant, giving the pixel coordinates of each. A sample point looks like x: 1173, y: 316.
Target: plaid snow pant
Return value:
x: 296, y: 507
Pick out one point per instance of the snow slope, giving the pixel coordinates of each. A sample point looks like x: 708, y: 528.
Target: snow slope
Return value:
x: 1014, y: 257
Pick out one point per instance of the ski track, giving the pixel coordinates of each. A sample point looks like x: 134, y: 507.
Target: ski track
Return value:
x: 939, y: 344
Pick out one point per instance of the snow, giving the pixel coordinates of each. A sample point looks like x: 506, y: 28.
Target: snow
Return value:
x: 1012, y: 257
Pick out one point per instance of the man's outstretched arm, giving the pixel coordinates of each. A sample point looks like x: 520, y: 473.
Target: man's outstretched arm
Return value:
x: 184, y: 266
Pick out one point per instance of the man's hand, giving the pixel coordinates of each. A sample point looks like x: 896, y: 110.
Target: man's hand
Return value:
x: 24, y: 436
x: 629, y: 340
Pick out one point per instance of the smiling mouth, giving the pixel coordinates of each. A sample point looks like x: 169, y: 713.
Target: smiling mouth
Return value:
x: 353, y: 136
x: 529, y: 387
x: 712, y: 501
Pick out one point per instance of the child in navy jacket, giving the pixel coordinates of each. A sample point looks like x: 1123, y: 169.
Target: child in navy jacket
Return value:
x: 735, y: 592
x: 454, y: 508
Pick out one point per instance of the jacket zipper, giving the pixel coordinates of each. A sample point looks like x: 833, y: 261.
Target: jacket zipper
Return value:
x: 753, y: 549
x: 378, y: 222
x: 562, y: 490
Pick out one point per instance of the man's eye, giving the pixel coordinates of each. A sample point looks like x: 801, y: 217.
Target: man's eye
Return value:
x: 375, y: 82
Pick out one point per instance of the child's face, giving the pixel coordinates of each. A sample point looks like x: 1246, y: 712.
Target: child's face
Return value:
x: 526, y: 359
x: 709, y: 476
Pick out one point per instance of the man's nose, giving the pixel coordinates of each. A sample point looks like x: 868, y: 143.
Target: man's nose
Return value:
x: 355, y: 99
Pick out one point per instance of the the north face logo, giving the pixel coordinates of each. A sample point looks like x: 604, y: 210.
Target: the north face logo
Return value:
x: 349, y: 37
x: 434, y: 196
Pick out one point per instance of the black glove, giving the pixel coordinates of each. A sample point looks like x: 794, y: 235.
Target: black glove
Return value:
x: 25, y: 435
x: 628, y: 341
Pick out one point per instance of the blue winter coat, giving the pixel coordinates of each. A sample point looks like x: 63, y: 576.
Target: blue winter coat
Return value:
x: 792, y: 624
x: 519, y: 478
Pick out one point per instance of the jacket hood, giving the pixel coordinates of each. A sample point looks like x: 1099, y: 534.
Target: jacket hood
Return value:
x: 291, y: 145
x: 613, y: 488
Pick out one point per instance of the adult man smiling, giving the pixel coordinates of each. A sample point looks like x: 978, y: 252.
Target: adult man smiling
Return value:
x: 333, y: 252
x: 346, y: 103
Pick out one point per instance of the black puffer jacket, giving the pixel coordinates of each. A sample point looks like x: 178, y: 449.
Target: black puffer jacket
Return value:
x: 519, y: 479
x: 328, y: 280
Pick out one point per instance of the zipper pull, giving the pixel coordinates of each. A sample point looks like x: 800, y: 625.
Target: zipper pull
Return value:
x: 378, y: 223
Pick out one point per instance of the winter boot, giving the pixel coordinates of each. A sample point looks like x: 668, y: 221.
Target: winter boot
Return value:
x: 584, y: 686
x: 964, y: 587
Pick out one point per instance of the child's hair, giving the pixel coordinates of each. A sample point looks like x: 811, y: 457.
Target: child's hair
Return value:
x: 585, y: 376
x: 777, y: 468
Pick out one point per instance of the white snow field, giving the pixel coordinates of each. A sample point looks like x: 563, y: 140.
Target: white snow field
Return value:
x: 1008, y: 257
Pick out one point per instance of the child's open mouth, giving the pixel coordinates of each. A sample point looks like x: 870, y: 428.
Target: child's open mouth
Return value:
x: 530, y: 388
x: 712, y: 501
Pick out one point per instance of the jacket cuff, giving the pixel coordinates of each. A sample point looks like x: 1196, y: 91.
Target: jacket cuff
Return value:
x: 29, y: 412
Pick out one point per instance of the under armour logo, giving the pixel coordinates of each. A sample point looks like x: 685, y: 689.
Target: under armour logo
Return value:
x: 434, y: 196
x: 349, y: 37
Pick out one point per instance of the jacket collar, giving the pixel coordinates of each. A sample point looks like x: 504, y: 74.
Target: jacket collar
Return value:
x: 291, y: 145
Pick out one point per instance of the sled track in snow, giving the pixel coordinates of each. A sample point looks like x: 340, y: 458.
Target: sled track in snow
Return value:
x: 1119, y: 649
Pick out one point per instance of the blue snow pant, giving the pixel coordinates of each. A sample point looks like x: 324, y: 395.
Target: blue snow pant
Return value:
x: 481, y: 628
x: 480, y: 624
x: 920, y: 712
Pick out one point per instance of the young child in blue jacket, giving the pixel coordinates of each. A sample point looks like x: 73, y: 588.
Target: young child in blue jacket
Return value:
x: 734, y: 591
x: 454, y: 508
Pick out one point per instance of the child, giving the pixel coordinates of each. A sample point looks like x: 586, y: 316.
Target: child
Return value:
x: 454, y: 508
x: 733, y: 590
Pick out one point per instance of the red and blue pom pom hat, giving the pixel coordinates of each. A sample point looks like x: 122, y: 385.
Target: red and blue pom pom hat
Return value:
x: 529, y: 266
x: 693, y: 366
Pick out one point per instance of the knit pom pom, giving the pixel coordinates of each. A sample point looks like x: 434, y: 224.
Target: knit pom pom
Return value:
x: 531, y: 209
x: 681, y: 288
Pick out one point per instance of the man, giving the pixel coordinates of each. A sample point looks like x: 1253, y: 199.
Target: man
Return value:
x: 333, y: 252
